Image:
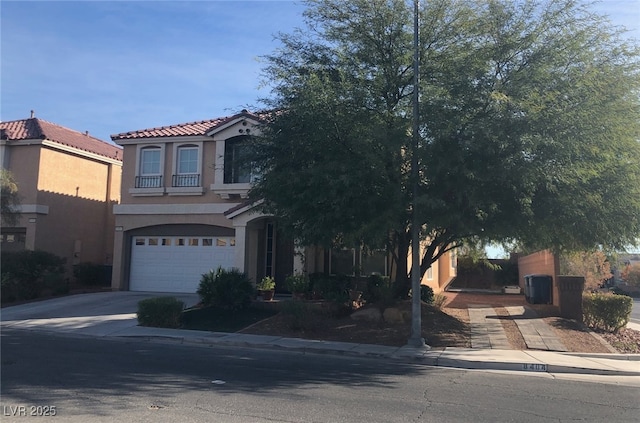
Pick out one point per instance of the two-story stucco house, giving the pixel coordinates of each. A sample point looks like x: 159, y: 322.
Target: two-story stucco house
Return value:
x: 184, y: 211
x: 68, y: 183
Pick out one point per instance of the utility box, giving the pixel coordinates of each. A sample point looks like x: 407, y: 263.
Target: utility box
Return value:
x: 570, y: 290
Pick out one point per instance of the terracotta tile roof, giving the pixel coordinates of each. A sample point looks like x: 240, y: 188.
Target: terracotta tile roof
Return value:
x: 34, y: 128
x: 186, y: 129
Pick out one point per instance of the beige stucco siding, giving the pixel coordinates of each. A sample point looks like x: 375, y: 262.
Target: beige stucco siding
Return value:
x: 67, y: 201
x: 23, y: 162
x: 64, y: 173
x: 207, y: 174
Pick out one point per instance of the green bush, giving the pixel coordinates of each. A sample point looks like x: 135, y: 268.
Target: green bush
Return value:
x: 8, y: 288
x: 298, y: 283
x: 379, y: 290
x: 426, y: 294
x: 607, y: 312
x: 26, y: 274
x: 266, y: 284
x: 332, y: 287
x: 160, y: 312
x: 91, y: 274
x: 227, y: 289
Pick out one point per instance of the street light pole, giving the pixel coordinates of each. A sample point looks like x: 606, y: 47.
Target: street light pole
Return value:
x: 416, y: 339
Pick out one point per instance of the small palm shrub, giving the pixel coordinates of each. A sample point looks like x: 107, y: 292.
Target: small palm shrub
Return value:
x: 227, y: 289
x: 160, y: 312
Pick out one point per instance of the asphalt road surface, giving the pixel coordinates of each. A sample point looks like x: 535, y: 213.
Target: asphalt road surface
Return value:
x: 97, y: 380
x: 635, y: 311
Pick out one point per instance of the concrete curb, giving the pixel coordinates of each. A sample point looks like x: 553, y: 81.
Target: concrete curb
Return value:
x: 507, y: 360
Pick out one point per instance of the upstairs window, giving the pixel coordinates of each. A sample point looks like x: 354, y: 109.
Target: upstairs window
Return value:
x: 187, y: 174
x: 237, y: 167
x: 150, y: 175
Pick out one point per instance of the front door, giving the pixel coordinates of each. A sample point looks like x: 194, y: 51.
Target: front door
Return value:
x: 276, y: 255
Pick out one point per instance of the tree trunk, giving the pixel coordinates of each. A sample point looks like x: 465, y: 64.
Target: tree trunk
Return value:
x: 403, y: 281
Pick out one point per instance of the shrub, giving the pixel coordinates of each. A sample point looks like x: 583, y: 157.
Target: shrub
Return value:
x: 631, y: 275
x: 297, y: 283
x: 439, y: 300
x: 607, y: 312
x: 299, y: 315
x: 160, y: 312
x: 91, y: 274
x: 227, y: 289
x: 426, y: 294
x: 25, y: 274
x: 266, y: 284
x: 8, y: 288
x: 379, y: 291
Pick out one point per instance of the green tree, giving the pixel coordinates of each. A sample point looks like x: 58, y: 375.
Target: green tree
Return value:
x: 529, y: 127
x: 9, y: 198
x: 593, y: 265
x: 631, y: 275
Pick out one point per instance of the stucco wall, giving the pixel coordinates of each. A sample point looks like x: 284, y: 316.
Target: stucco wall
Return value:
x: 206, y: 177
x: 75, y: 195
x: 22, y: 162
x: 540, y: 263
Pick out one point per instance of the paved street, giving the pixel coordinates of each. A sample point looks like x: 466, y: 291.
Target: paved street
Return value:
x: 635, y: 311
x: 98, y: 380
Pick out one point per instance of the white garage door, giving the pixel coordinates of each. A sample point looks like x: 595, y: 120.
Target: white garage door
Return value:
x: 176, y: 263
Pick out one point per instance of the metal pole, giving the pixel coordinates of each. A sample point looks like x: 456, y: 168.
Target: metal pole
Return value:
x: 416, y: 339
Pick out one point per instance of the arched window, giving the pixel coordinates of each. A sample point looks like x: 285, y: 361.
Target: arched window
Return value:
x: 187, y: 167
x: 150, y: 168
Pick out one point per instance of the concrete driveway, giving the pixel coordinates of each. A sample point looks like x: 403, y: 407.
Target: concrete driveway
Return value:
x: 96, y: 314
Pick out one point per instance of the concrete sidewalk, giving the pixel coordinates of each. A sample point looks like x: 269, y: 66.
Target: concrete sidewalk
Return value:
x: 105, y: 317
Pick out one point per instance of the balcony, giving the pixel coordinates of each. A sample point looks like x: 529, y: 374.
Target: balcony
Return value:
x: 147, y: 186
x: 191, y: 180
x: 148, y: 181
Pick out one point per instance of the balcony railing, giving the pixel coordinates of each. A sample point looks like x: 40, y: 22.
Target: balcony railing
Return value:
x: 148, y: 181
x: 192, y: 180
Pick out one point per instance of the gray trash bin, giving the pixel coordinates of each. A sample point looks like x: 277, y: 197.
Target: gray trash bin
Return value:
x: 540, y: 289
x: 527, y: 288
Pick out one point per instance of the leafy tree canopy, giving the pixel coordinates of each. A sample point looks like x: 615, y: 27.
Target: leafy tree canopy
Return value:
x: 10, y: 199
x: 529, y: 127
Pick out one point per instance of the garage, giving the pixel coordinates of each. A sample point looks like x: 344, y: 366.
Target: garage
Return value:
x: 176, y: 263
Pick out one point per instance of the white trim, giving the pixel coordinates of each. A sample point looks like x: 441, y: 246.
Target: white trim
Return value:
x: 147, y: 192
x: 154, y: 140
x: 79, y: 152
x: 218, y: 208
x: 245, y: 209
x: 185, y: 190
x: 231, y: 123
x: 139, y: 157
x: 176, y: 158
x: 33, y: 208
x: 225, y: 191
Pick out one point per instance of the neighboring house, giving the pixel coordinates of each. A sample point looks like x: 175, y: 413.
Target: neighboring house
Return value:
x: 68, y: 183
x: 184, y: 211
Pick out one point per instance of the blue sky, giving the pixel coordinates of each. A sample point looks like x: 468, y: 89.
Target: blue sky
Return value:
x: 115, y: 66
